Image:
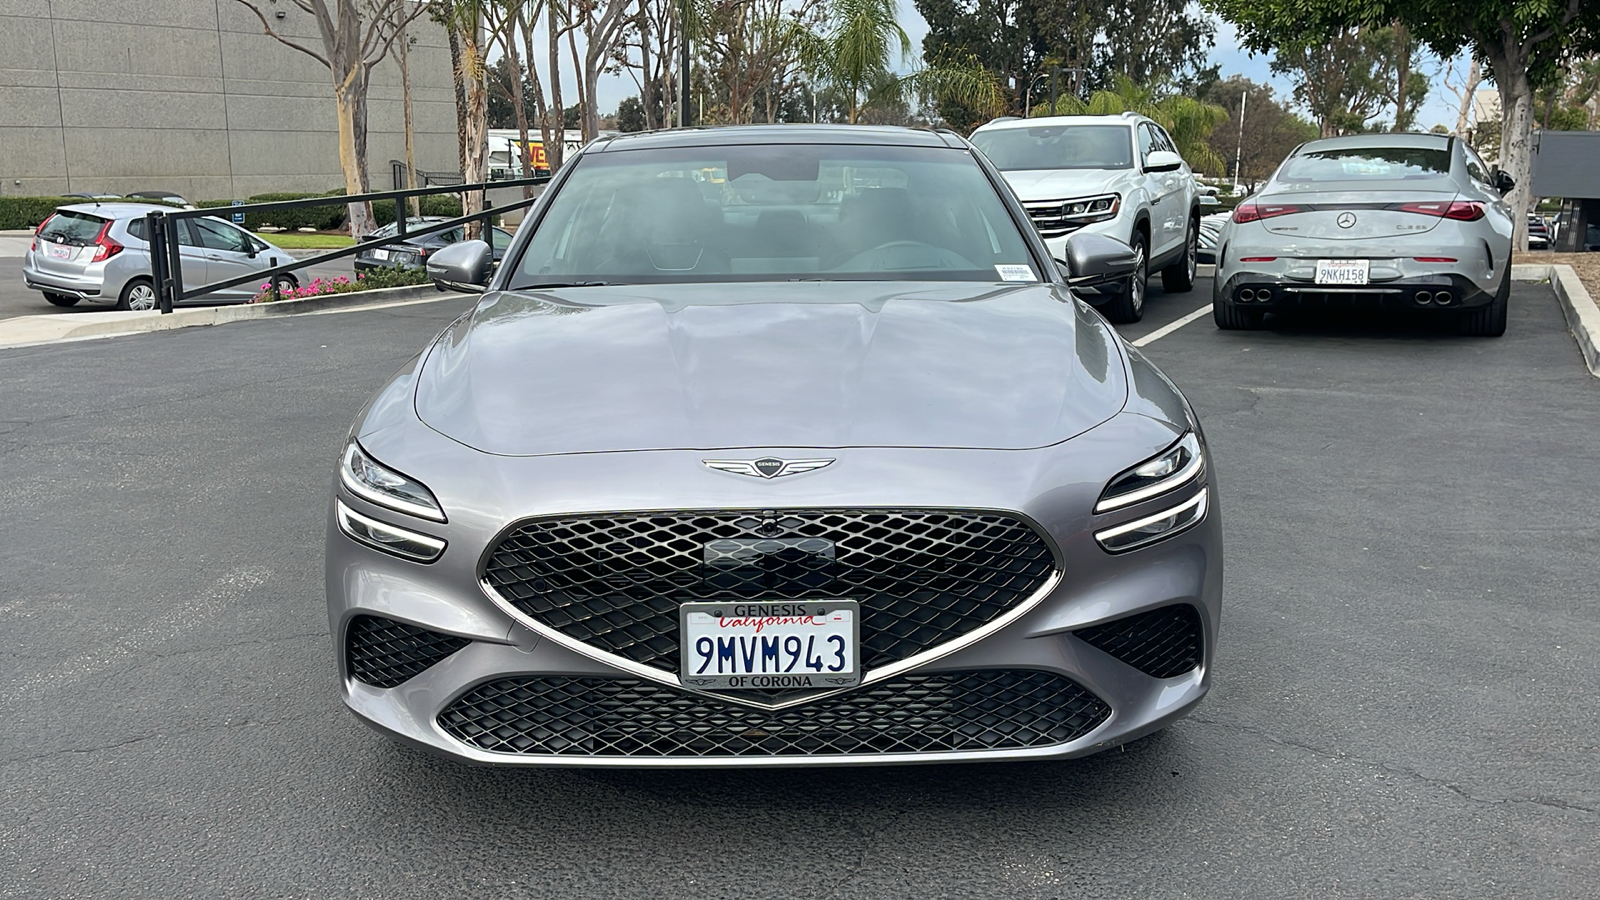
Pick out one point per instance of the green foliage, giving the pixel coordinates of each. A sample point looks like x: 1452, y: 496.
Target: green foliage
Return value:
x: 630, y: 114
x: 17, y: 213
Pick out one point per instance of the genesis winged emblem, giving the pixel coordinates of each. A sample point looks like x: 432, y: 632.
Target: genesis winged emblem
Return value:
x: 767, y: 466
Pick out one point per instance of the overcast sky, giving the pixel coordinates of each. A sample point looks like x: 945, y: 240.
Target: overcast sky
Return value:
x: 1439, y: 108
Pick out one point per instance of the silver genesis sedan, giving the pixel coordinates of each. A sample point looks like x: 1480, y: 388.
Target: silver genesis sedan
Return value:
x: 1372, y: 222
x: 775, y: 446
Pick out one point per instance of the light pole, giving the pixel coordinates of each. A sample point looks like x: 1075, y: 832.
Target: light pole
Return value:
x: 1238, y: 151
x: 683, y: 67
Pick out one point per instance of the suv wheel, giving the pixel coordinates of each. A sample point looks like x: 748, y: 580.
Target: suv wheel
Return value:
x: 138, y: 294
x: 1178, y: 278
x: 1128, y: 306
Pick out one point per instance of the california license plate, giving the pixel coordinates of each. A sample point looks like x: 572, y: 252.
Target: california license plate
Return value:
x: 58, y: 251
x: 770, y: 645
x: 380, y: 253
x: 1342, y: 271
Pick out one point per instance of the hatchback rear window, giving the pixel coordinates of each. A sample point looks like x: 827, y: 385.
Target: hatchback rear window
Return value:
x: 1367, y: 164
x: 72, y: 228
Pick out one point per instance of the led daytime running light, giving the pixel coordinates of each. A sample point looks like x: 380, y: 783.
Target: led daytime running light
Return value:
x: 375, y: 483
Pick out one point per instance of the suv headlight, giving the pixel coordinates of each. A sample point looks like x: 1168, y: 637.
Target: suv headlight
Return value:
x: 1179, y: 466
x: 379, y: 484
x: 1092, y: 209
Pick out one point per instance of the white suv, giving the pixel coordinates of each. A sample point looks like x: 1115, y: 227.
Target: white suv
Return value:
x: 1118, y: 175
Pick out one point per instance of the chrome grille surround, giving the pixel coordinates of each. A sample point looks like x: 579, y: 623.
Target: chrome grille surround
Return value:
x: 637, y: 631
x: 941, y: 712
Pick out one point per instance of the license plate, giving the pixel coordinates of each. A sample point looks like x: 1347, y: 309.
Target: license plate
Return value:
x: 1342, y: 271
x: 770, y: 645
x: 380, y: 253
x: 58, y: 251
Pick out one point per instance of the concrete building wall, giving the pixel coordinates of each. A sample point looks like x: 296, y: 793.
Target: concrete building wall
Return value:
x: 191, y: 96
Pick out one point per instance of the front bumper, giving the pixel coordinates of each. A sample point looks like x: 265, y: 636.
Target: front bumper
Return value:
x: 484, y: 650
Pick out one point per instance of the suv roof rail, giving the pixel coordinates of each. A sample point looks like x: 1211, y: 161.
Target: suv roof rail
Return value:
x: 1006, y: 119
x: 1130, y: 114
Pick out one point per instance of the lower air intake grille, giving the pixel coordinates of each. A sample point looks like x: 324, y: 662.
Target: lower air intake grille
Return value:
x: 385, y: 653
x: 1161, y: 643
x: 944, y: 712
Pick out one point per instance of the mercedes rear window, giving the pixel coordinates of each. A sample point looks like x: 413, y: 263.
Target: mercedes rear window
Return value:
x: 72, y: 228
x: 1367, y: 164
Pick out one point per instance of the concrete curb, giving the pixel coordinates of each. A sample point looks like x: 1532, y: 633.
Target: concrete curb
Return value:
x: 25, y: 331
x: 1583, y: 317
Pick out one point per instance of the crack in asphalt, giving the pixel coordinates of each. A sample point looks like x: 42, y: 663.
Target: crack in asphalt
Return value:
x: 83, y: 751
x: 1452, y: 787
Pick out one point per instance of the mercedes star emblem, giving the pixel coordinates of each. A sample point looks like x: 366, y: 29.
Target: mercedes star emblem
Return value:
x: 1346, y: 219
x: 767, y: 466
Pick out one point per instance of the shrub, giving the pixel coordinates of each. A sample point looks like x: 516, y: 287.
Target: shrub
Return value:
x: 321, y: 218
x: 344, y: 284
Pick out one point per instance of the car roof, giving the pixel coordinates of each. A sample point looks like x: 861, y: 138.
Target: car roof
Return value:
x: 1381, y: 139
x: 1128, y: 119
x: 775, y: 134
x: 118, y: 210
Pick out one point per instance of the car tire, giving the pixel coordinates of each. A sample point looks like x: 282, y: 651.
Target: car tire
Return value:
x: 61, y: 299
x: 1128, y: 306
x: 138, y: 294
x: 1489, y: 321
x: 1178, y: 278
x: 1229, y: 317
x: 286, y: 284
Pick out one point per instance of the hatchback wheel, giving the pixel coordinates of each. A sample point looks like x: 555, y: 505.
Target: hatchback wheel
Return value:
x: 139, y: 294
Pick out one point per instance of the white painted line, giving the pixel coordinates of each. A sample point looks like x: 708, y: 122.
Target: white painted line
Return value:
x: 1165, y: 330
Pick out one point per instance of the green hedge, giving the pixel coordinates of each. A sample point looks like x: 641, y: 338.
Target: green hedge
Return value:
x: 17, y: 213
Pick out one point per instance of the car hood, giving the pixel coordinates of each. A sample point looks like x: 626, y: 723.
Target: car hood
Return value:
x: 852, y: 364
x: 1063, y: 184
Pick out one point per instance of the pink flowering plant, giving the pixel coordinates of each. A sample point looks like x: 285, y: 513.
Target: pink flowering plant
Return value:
x: 344, y: 284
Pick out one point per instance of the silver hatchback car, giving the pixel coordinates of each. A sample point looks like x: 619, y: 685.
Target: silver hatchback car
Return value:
x: 1382, y: 222
x: 99, y: 251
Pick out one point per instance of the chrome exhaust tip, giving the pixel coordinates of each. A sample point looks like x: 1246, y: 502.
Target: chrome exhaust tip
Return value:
x: 1424, y: 298
x: 1442, y: 298
x: 1247, y: 295
x: 1263, y: 295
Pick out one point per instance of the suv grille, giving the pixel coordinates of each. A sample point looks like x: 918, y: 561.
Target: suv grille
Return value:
x: 944, y: 712
x: 1161, y: 643
x: 385, y: 653
x: 1050, y: 217
x: 922, y: 577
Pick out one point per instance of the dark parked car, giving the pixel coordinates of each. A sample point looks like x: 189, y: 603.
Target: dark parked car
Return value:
x: 164, y: 197
x: 414, y: 250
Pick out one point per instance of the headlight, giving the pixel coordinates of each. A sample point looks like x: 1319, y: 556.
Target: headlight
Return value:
x: 386, y: 537
x: 1092, y: 209
x: 386, y: 487
x: 1152, y: 528
x: 1179, y: 464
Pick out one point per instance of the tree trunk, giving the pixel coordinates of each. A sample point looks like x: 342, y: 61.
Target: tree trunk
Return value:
x: 475, y: 142
x: 350, y: 95
x: 556, y: 143
x: 540, y: 111
x: 520, y: 104
x: 1510, y: 68
x: 1402, y: 68
x: 404, y: 58
x: 1464, y: 115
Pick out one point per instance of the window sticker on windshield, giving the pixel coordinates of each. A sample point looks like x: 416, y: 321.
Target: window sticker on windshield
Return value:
x: 1016, y: 273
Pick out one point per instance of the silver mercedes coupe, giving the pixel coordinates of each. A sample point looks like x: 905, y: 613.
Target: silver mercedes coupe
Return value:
x: 1373, y: 223
x: 775, y: 446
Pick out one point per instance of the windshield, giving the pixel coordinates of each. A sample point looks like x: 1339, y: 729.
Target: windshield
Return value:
x: 1058, y: 147
x: 1367, y: 164
x: 775, y: 212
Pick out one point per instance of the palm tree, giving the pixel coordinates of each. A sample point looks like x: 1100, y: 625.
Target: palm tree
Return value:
x: 1188, y: 121
x: 855, y: 54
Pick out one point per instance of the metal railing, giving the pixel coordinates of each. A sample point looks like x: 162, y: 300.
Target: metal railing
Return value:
x: 166, y: 260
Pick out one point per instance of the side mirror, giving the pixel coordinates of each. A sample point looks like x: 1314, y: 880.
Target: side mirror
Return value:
x: 1503, y: 182
x: 1163, y: 161
x: 1096, y: 259
x: 463, y: 267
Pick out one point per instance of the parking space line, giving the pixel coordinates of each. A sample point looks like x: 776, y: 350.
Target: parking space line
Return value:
x: 1165, y: 330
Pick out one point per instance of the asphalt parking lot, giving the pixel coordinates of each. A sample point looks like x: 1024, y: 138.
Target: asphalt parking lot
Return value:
x: 1404, y: 701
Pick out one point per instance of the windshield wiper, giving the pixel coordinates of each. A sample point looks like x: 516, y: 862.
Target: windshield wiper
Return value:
x: 559, y: 284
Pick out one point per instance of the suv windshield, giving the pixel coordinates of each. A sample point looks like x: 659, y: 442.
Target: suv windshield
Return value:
x: 72, y: 228
x: 1367, y: 164
x: 775, y: 212
x: 1058, y: 147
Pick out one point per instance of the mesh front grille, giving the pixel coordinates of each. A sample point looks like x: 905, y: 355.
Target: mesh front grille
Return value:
x: 1162, y: 642
x: 385, y: 653
x: 922, y: 577
x: 948, y: 711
